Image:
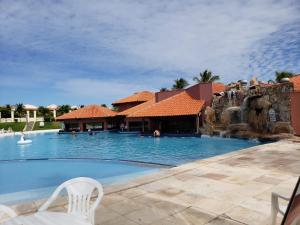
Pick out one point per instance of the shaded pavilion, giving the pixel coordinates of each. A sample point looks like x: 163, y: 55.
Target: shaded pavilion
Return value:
x: 94, y: 117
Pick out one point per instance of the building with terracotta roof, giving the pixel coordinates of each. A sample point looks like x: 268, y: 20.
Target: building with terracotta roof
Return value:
x: 93, y: 117
x: 178, y: 111
x: 218, y: 87
x: 133, y: 100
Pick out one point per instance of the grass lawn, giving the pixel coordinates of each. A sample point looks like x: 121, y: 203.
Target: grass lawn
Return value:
x: 47, y: 126
x: 14, y: 126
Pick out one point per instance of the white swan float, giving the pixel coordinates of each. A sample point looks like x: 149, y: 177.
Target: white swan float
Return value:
x: 22, y: 140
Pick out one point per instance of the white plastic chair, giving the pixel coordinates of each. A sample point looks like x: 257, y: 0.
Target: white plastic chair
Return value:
x: 275, y: 208
x: 79, y: 192
x: 4, y: 210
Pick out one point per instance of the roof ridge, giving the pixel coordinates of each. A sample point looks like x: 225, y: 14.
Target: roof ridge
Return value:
x: 157, y: 104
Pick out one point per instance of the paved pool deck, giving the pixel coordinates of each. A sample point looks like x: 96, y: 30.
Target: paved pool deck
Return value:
x: 229, y: 189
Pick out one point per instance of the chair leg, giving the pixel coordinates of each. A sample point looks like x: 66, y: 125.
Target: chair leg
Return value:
x: 273, y: 217
x: 274, y: 209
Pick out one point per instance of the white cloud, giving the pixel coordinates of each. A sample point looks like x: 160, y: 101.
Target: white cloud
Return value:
x: 132, y: 35
x: 100, y: 91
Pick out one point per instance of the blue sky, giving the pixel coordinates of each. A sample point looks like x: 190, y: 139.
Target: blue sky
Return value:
x: 82, y: 52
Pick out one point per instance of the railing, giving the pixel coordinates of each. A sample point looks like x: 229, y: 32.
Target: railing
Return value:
x: 10, y: 120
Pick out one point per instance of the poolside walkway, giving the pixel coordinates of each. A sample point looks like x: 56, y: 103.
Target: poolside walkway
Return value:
x: 230, y: 189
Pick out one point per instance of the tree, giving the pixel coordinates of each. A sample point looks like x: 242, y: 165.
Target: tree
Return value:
x: 205, y: 77
x: 63, y: 109
x: 104, y: 105
x: 5, y: 112
x: 282, y: 74
x: 46, y: 113
x: 20, y: 111
x: 180, y: 84
x: 163, y: 89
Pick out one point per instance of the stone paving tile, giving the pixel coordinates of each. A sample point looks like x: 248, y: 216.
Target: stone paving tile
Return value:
x: 147, y: 215
x: 253, y: 188
x: 215, y: 176
x: 147, y: 199
x: 121, y: 220
x: 189, y: 216
x: 268, y: 180
x: 112, y: 199
x: 188, y: 199
x: 223, y: 221
x: 153, y: 187
x: 133, y: 192
x: 103, y: 215
x: 214, y: 206
x: 261, y: 206
x: 247, y: 216
x: 126, y: 206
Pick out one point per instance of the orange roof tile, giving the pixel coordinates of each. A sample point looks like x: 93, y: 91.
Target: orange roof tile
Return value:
x: 136, y: 108
x: 218, y: 87
x: 142, y: 96
x: 91, y: 111
x: 181, y: 104
x: 296, y: 81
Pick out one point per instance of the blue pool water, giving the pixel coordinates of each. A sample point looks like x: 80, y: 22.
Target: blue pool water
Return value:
x: 108, y: 157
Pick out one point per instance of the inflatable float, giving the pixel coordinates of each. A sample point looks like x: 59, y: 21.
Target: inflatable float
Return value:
x: 22, y: 141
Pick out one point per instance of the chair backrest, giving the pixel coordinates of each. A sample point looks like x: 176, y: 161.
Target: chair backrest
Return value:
x: 80, y: 191
x: 6, y: 213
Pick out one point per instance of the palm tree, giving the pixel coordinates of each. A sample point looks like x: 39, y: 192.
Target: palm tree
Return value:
x: 206, y: 77
x: 282, y: 74
x: 180, y: 84
x: 20, y: 111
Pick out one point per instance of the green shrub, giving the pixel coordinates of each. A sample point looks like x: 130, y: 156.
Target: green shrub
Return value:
x: 16, y: 126
x: 47, y: 126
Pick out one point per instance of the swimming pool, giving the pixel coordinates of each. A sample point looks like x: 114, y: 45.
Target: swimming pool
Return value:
x: 108, y: 157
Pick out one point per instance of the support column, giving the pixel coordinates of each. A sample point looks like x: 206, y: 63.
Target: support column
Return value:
x: 150, y: 125
x: 27, y: 115
x: 12, y: 115
x: 159, y: 125
x: 127, y: 125
x: 34, y: 115
x: 105, y: 125
x: 81, y: 126
x: 54, y: 113
x: 197, y: 124
x: 143, y: 129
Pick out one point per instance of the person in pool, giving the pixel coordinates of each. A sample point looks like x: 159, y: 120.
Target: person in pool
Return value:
x: 90, y: 132
x: 156, y: 133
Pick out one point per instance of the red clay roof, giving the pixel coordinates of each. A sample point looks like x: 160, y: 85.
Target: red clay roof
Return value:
x: 142, y: 96
x: 296, y: 82
x: 181, y: 104
x: 136, y: 108
x: 218, y: 87
x: 91, y: 111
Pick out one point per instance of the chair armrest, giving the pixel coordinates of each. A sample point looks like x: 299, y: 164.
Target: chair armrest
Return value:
x: 280, y: 196
x: 275, y: 203
x: 11, y: 213
x: 53, y: 197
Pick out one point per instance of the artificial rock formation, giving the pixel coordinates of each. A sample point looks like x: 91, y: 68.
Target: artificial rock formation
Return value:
x: 259, y: 110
